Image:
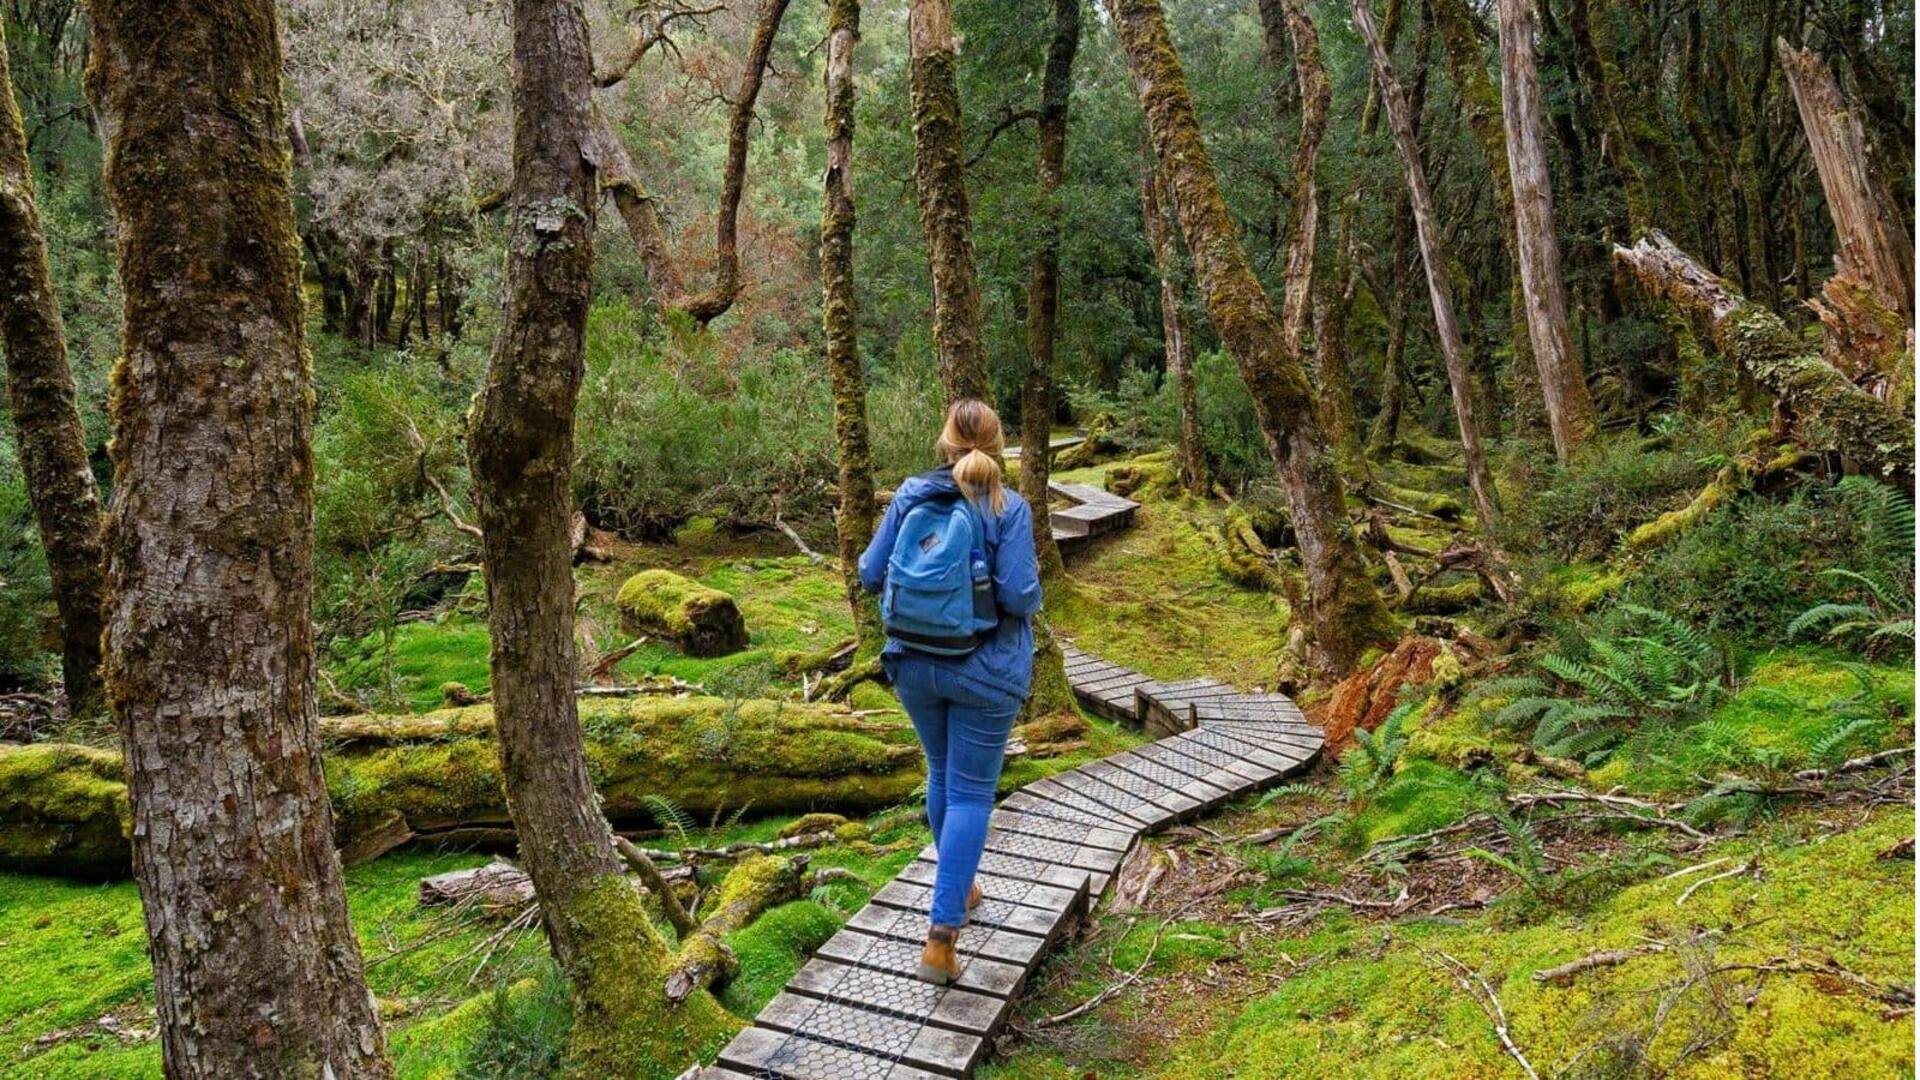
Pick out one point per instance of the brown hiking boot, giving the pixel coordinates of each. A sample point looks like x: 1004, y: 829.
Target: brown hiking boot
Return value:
x: 974, y: 896
x: 939, y: 963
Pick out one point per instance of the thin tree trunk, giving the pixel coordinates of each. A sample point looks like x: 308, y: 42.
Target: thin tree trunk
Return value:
x: 1563, y: 383
x: 1344, y: 608
x: 1439, y: 289
x: 46, y: 419
x: 521, y: 452
x: 1602, y: 75
x: 714, y: 302
x: 210, y: 648
x: 1481, y: 103
x: 853, y: 522
x: 1043, y: 284
x: 1155, y: 214
x: 946, y: 216
x: 1873, y: 244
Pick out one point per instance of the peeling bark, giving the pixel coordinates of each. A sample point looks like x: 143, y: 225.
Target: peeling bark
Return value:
x: 946, y: 215
x: 521, y: 453
x: 46, y: 420
x: 1563, y: 384
x: 210, y: 635
x: 1829, y: 413
x: 1439, y: 287
x: 1873, y: 244
x: 1344, y: 608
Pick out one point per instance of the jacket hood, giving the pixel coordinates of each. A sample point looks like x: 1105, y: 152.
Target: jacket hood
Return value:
x: 935, y: 483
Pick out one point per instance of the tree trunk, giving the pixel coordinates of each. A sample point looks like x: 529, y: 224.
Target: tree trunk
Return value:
x: 853, y: 521
x: 1563, y: 384
x: 946, y: 217
x: 1873, y: 245
x: 210, y: 637
x: 1439, y: 288
x: 1345, y: 610
x: 1481, y: 103
x: 1043, y: 285
x: 1828, y: 411
x: 713, y: 303
x: 1155, y: 215
x: 1602, y: 76
x: 46, y: 419
x: 521, y: 452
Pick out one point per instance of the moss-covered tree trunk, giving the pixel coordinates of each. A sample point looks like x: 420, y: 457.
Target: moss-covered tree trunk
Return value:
x: 1563, y: 382
x: 1453, y: 347
x: 1344, y: 608
x: 1156, y: 217
x: 521, y: 455
x: 210, y: 652
x: 1043, y: 284
x: 853, y: 519
x: 46, y: 420
x: 1829, y: 413
x: 946, y: 216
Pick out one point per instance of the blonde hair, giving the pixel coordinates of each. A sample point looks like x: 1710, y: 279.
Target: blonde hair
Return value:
x: 973, y: 442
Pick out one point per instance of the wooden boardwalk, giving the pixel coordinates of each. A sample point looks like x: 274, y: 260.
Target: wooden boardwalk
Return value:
x: 1092, y: 513
x: 855, y: 1010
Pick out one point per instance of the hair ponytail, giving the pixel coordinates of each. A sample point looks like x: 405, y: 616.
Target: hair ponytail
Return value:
x: 973, y: 442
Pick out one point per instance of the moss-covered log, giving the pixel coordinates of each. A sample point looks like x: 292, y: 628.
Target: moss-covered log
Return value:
x: 63, y: 808
x: 702, y: 621
x: 1829, y: 412
x: 755, y: 884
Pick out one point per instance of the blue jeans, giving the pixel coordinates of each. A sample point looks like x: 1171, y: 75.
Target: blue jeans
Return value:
x: 964, y: 733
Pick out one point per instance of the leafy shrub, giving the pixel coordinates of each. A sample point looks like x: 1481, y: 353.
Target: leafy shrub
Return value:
x: 668, y: 433
x: 1877, y: 616
x: 1748, y: 569
x: 526, y: 1031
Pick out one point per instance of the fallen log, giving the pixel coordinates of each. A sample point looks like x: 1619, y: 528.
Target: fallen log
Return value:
x: 755, y: 884
x: 63, y: 807
x: 1829, y: 412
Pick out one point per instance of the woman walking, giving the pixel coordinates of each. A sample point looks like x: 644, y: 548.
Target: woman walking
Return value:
x: 954, y: 565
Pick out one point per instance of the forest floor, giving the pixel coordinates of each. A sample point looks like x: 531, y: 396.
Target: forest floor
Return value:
x: 1312, y: 931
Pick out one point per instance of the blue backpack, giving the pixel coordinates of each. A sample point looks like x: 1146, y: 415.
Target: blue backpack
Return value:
x: 938, y: 597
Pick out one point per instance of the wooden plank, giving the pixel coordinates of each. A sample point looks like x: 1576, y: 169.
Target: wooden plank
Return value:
x: 979, y: 974
x: 1206, y: 754
x: 1092, y: 859
x: 1180, y: 803
x: 1207, y: 793
x: 991, y: 942
x: 1228, y: 781
x: 1008, y: 864
x: 1067, y: 889
x: 1250, y: 707
x: 1070, y: 832
x: 999, y: 914
x: 900, y: 995
x: 1076, y: 790
x: 766, y: 1052
x: 1287, y: 743
x: 937, y: 1050
x: 1028, y: 803
x: 1278, y: 759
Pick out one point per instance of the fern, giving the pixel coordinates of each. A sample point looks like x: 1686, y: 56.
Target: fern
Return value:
x: 671, y: 815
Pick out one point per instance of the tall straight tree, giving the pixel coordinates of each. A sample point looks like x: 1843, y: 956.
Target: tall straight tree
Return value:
x: 1439, y: 288
x: 1043, y: 281
x: 853, y: 522
x: 1563, y: 384
x: 1157, y: 218
x: 46, y: 421
x: 940, y: 183
x: 1344, y: 608
x: 210, y: 651
x: 521, y: 455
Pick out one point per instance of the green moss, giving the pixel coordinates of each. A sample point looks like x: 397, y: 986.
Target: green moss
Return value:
x: 1375, y: 1005
x: 65, y: 810
x: 772, y: 948
x: 701, y: 620
x: 1585, y: 584
x: 412, y: 666
x: 1422, y: 795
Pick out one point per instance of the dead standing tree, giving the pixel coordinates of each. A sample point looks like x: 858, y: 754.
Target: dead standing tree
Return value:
x: 521, y: 454
x: 210, y: 646
x: 1439, y: 287
x: 1563, y: 385
x: 46, y: 420
x: 1343, y: 607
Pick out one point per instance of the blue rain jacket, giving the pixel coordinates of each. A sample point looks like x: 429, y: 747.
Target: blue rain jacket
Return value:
x: 1002, y: 667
